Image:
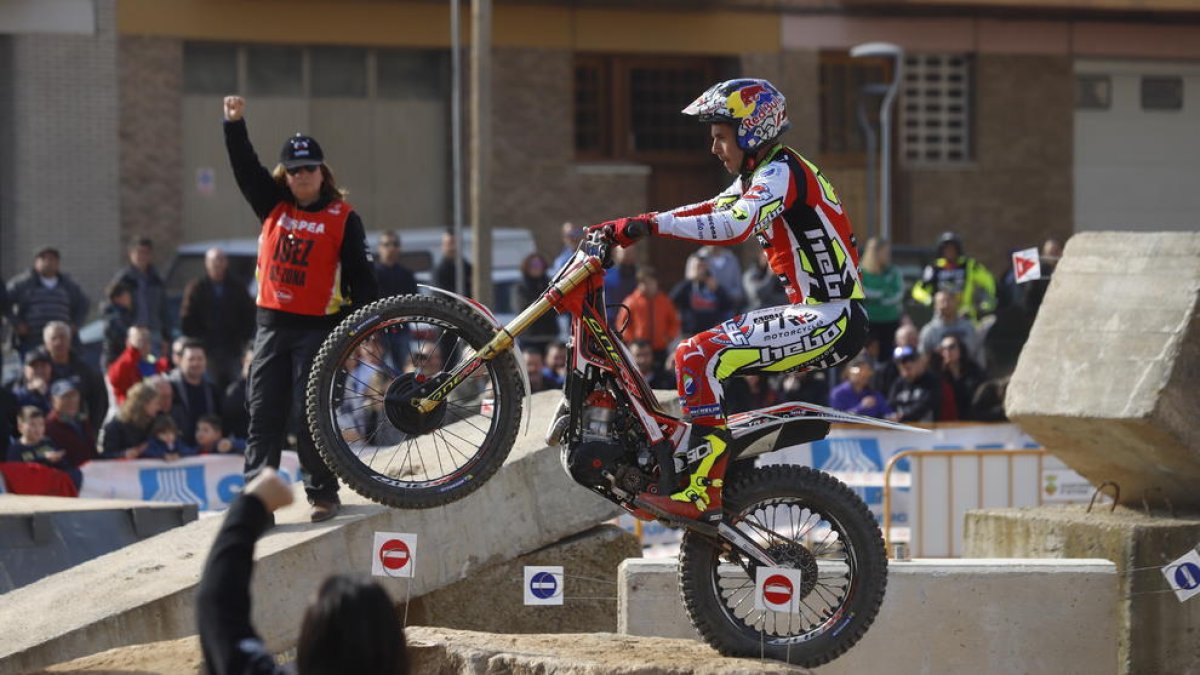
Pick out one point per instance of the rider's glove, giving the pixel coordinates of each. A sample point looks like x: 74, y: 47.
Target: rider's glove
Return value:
x: 625, y: 231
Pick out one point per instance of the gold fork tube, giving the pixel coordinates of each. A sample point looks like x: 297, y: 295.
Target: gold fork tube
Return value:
x: 505, y: 336
x: 525, y: 319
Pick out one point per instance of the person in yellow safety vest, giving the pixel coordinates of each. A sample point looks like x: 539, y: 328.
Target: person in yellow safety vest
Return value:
x: 956, y: 272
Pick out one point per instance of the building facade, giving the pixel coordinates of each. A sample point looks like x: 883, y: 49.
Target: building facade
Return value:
x: 1016, y: 121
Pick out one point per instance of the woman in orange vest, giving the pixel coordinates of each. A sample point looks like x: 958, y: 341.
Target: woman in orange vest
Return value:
x: 312, y: 265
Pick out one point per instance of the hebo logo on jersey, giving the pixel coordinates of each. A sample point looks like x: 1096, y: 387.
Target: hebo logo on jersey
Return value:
x: 806, y: 348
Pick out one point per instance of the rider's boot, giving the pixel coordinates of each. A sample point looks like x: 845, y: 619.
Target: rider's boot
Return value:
x: 701, y: 466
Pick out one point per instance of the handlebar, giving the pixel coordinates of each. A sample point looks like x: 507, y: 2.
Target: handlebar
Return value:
x: 637, y: 229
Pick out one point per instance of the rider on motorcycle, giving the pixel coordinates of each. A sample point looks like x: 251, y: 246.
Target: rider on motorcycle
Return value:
x: 784, y: 201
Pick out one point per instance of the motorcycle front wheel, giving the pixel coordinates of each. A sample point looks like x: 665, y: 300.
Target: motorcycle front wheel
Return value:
x: 806, y: 520
x: 360, y: 388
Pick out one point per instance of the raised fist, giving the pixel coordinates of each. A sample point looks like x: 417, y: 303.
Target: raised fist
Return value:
x: 234, y: 105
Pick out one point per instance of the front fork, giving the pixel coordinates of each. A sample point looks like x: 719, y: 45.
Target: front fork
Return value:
x: 504, y: 338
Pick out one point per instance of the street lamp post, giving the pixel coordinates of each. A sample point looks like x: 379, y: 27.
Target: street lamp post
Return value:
x: 896, y: 53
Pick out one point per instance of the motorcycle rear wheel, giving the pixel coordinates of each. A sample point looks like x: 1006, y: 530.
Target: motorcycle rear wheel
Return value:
x: 379, y: 444
x: 805, y: 519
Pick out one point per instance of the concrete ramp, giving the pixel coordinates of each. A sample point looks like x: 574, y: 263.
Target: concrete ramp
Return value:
x: 40, y: 536
x: 1108, y: 378
x: 144, y: 592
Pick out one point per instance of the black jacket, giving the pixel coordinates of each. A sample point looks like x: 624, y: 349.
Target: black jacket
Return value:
x: 443, y: 276
x: 116, y: 437
x: 264, y: 194
x: 35, y: 305
x: 91, y: 385
x: 227, y: 638
x: 181, y: 406
x: 158, y: 316
x: 225, y: 323
x: 916, y: 401
x: 395, y: 280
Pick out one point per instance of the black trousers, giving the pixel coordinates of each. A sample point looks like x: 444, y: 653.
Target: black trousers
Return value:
x: 278, y: 378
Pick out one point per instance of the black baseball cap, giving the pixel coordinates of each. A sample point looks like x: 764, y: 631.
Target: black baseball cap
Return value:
x: 301, y: 150
x: 37, y: 356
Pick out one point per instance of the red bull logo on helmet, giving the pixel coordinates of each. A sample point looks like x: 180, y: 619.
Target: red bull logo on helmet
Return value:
x: 743, y: 102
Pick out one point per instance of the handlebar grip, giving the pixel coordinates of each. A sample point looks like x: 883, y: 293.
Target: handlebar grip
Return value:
x: 636, y: 229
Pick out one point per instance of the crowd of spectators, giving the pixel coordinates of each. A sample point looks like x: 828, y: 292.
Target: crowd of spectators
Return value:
x: 168, y: 389
x: 160, y: 388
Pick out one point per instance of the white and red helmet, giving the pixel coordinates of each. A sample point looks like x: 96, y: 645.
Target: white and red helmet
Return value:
x: 753, y: 106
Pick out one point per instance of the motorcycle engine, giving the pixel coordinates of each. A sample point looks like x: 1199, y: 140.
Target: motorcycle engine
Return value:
x: 591, y: 462
x: 605, y: 459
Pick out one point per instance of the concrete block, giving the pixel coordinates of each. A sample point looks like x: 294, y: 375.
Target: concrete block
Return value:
x: 144, y: 592
x: 40, y: 536
x: 946, y: 616
x: 1157, y: 633
x: 1107, y: 379
x: 492, y: 599
x: 648, y: 601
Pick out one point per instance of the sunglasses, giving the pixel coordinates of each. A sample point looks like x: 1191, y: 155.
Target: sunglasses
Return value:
x: 306, y: 169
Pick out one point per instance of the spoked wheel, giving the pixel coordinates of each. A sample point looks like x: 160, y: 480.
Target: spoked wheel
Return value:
x: 806, y: 520
x: 360, y: 411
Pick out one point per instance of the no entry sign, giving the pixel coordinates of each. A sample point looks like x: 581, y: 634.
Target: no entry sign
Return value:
x: 777, y: 589
x: 394, y: 554
x: 543, y: 585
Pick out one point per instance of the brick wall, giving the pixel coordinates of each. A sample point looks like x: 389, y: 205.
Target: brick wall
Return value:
x: 1019, y: 190
x: 151, y: 90
x: 61, y: 152
x: 536, y: 182
x: 797, y: 75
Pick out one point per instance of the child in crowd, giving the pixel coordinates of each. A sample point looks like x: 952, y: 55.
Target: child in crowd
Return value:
x: 164, y: 441
x: 211, y: 440
x: 33, y: 446
x: 118, y: 317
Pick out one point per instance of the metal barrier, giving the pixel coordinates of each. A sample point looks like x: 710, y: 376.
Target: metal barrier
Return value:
x: 1009, y: 455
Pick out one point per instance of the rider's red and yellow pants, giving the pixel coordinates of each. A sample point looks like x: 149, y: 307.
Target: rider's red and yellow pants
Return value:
x: 767, y: 341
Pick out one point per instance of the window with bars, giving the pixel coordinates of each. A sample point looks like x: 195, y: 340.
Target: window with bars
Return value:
x: 318, y: 72
x: 1093, y: 92
x: 936, y: 110
x: 1162, y: 93
x: 629, y: 107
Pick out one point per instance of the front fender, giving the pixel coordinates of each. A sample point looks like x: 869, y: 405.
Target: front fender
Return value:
x: 487, y: 315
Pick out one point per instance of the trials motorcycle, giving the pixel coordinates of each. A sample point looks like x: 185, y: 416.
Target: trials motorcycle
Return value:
x: 415, y: 401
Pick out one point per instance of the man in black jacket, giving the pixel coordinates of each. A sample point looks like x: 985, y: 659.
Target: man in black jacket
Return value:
x: 218, y: 311
x: 149, y: 292
x: 194, y: 394
x: 916, y: 394
x: 41, y: 295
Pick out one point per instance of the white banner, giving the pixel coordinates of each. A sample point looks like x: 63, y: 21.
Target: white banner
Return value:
x: 211, y: 482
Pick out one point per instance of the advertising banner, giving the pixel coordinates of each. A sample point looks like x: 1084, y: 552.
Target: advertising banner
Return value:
x: 211, y: 482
